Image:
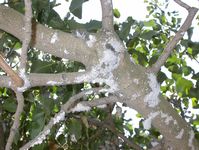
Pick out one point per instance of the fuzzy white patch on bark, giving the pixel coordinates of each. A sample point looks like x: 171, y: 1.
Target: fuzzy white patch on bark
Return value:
x: 91, y: 41
x: 53, y: 83
x: 102, y: 106
x: 41, y: 138
x: 54, y: 38
x: 73, y: 138
x: 66, y: 52
x: 136, y: 81
x: 26, y: 85
x: 152, y: 98
x: 179, y: 136
x: 59, y: 117
x: 79, y: 107
x: 147, y: 122
x: 102, y: 73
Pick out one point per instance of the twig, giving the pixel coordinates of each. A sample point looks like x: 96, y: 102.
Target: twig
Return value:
x: 66, y: 108
x: 42, y: 135
x: 113, y: 130
x: 13, y: 75
x: 101, y: 101
x: 15, y: 126
x: 172, y: 43
x: 27, y: 33
x: 107, y: 15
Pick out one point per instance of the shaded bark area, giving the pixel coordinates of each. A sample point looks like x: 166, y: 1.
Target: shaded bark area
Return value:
x: 2, y: 140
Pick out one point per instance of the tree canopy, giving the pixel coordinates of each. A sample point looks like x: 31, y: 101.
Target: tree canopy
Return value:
x: 65, y: 84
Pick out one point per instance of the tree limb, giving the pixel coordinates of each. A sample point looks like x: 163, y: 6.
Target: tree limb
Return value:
x: 107, y: 15
x: 15, y: 126
x: 55, y: 42
x: 27, y: 34
x: 44, y: 79
x: 178, y: 36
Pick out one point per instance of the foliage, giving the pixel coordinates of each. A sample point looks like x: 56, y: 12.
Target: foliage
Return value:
x: 144, y: 40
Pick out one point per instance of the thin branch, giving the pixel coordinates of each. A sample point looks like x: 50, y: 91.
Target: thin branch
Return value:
x: 172, y: 43
x: 13, y: 75
x: 27, y: 34
x: 55, y: 42
x: 101, y: 101
x: 43, y: 79
x: 107, y: 14
x: 74, y: 100
x: 66, y: 108
x: 15, y: 126
x: 113, y: 130
x: 42, y: 135
x: 182, y: 4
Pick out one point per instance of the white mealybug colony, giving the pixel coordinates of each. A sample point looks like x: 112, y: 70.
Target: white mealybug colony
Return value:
x: 152, y: 98
x: 54, y: 38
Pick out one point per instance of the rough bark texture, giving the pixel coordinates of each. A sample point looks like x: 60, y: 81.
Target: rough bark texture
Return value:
x: 138, y: 93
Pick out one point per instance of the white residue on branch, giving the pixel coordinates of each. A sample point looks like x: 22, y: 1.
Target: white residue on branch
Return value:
x: 91, y: 41
x: 152, y: 98
x: 54, y: 38
x: 80, y: 107
x: 59, y: 117
x: 40, y: 138
x: 54, y: 83
x: 26, y: 85
x: 103, y: 72
x: 147, y: 122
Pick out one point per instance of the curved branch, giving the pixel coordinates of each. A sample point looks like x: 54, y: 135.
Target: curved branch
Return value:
x: 42, y: 135
x: 171, y: 44
x: 15, y: 126
x: 107, y: 14
x: 48, y: 40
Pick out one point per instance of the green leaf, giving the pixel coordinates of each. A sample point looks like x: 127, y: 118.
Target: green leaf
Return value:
x: 195, y: 103
x: 39, y: 66
x: 75, y: 128
x: 147, y: 35
x: 150, y: 23
x: 183, y: 85
x: 37, y: 124
x: 76, y: 8
x: 116, y: 13
x: 161, y: 77
x: 10, y: 105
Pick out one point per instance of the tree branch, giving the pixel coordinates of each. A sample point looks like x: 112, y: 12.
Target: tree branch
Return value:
x: 114, y: 131
x: 13, y: 75
x: 66, y: 108
x: 27, y: 34
x: 48, y: 40
x: 107, y: 15
x: 172, y: 43
x: 15, y: 126
x: 42, y: 135
x: 43, y: 79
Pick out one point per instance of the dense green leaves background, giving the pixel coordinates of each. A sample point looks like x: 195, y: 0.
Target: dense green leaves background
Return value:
x: 144, y: 40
